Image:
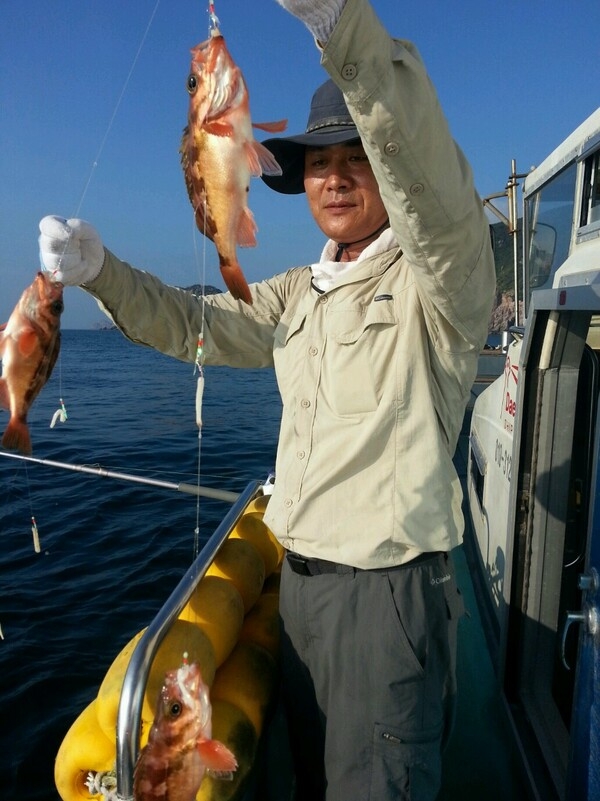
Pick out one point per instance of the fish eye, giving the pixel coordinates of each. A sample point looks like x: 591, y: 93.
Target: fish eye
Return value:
x: 175, y: 709
x: 192, y: 83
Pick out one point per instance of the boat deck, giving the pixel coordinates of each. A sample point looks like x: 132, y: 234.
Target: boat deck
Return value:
x: 481, y: 761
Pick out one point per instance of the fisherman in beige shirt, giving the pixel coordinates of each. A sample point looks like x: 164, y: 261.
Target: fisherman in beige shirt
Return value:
x: 375, y: 349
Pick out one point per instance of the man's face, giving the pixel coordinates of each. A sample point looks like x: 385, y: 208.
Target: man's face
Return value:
x: 342, y: 193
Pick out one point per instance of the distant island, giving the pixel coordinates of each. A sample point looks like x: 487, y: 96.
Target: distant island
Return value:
x: 200, y: 289
x: 503, y: 314
x: 194, y: 289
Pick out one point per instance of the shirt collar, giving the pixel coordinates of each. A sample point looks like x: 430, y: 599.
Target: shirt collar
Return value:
x: 326, y: 273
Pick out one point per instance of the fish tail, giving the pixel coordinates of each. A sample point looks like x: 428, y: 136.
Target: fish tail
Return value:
x: 16, y: 437
x: 236, y: 283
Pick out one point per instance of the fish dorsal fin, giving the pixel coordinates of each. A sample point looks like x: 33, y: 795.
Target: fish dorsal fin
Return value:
x: 218, y: 128
x: 27, y: 342
x: 247, y: 228
x: 260, y: 160
x: 216, y: 756
x: 271, y: 127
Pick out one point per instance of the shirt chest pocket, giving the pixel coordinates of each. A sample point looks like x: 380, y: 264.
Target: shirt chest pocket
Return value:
x: 359, y: 365
x: 289, y: 351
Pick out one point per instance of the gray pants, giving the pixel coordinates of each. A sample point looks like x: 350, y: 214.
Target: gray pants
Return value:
x: 368, y: 661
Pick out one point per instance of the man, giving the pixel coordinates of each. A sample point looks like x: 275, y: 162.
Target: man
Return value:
x: 375, y: 349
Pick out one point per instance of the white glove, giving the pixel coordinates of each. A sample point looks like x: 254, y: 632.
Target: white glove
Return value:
x: 70, y: 250
x: 319, y: 16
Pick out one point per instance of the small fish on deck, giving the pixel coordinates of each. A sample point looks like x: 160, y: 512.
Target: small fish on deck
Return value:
x: 29, y: 347
x: 219, y: 155
x: 180, y: 750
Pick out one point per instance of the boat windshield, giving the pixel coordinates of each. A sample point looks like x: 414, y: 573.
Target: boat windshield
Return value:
x: 549, y: 221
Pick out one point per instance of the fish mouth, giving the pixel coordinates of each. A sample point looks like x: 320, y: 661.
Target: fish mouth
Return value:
x: 46, y: 277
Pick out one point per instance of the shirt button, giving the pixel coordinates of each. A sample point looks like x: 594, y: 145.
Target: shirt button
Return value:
x: 288, y: 502
x: 323, y: 299
x: 313, y: 351
x: 301, y: 454
x: 305, y: 403
x: 391, y: 149
x: 417, y: 189
x: 349, y: 72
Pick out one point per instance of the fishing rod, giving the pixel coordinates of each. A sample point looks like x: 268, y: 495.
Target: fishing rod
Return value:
x: 97, y: 470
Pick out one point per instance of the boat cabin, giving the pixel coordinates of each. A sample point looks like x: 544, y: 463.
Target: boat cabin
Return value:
x: 533, y: 483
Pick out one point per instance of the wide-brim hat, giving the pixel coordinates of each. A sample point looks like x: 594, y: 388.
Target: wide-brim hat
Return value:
x: 329, y: 123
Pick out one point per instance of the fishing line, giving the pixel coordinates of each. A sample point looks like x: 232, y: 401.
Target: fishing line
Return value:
x: 199, y: 366
x: 213, y: 20
x: 213, y: 27
x: 116, y: 109
x: 213, y: 30
x: 34, y: 529
x: 61, y: 413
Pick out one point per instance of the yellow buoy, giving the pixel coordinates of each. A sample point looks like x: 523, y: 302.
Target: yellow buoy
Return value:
x: 231, y: 726
x: 248, y: 680
x: 84, y: 748
x: 261, y: 624
x: 251, y: 528
x: 257, y: 505
x: 217, y: 608
x: 240, y: 562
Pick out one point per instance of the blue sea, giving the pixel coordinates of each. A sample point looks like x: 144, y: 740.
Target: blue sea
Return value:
x: 111, y: 551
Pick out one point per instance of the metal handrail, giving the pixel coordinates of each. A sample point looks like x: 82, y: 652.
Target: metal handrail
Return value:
x: 136, y: 676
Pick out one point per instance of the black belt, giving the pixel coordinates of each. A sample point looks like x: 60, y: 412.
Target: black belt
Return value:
x: 316, y: 567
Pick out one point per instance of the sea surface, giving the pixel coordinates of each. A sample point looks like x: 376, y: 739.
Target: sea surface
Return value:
x: 111, y: 551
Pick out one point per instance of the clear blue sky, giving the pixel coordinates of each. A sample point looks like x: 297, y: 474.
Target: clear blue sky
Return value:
x: 514, y: 77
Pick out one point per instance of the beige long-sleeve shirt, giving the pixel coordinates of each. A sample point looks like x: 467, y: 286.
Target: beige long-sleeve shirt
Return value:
x: 375, y: 372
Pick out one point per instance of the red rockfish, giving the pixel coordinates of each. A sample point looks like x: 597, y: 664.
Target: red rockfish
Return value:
x: 219, y: 154
x: 180, y: 749
x: 29, y: 346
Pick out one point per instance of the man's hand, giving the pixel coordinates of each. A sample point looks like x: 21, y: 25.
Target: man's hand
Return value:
x: 70, y: 250
x: 319, y: 16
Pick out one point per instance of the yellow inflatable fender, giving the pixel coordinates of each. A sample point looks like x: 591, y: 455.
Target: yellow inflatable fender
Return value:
x: 238, y: 561
x: 261, y: 624
x: 257, y: 505
x: 248, y: 680
x: 84, y: 748
x: 217, y: 608
x: 251, y: 528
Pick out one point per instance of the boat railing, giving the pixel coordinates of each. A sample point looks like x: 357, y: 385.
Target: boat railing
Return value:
x: 136, y: 676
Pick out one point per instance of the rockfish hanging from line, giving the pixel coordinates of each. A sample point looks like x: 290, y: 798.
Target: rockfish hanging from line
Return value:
x: 219, y: 154
x: 180, y: 750
x: 29, y: 346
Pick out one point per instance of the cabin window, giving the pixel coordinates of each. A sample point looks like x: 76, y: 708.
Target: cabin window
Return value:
x: 549, y: 220
x: 590, y: 208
